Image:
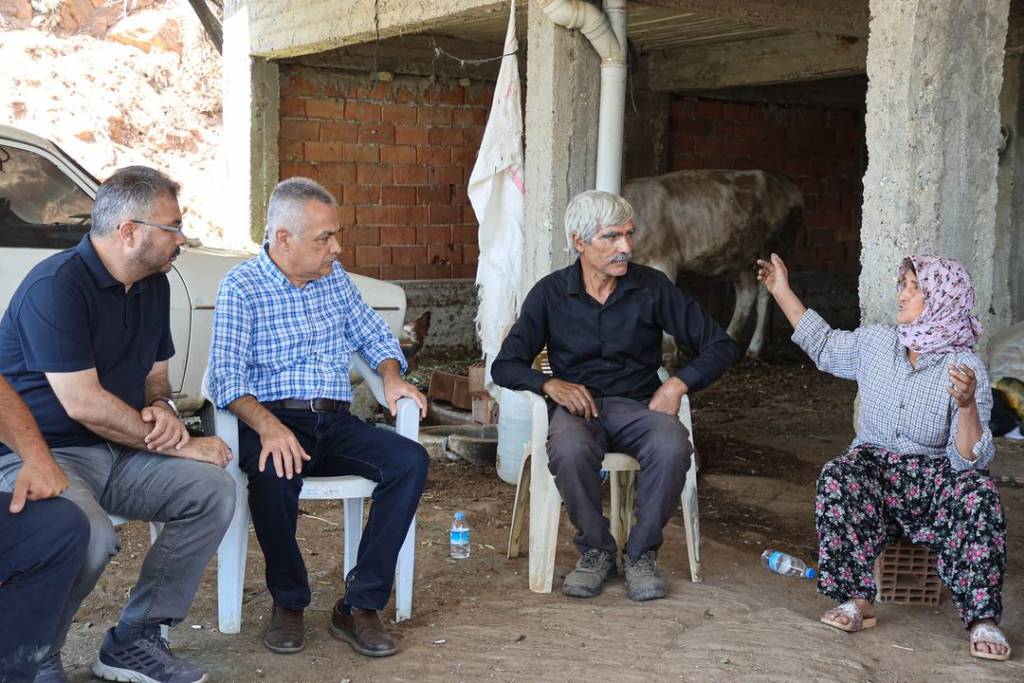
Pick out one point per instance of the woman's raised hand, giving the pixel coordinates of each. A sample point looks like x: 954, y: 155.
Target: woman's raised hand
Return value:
x: 773, y: 274
x: 962, y: 384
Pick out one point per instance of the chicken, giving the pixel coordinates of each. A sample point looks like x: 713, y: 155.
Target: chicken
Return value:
x: 414, y: 334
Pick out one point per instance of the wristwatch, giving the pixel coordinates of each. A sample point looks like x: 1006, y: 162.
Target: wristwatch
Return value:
x: 168, y: 401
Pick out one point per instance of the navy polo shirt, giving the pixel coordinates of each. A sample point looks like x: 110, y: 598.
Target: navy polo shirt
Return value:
x: 70, y: 314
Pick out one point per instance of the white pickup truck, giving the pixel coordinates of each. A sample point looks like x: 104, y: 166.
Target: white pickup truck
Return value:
x: 45, y: 202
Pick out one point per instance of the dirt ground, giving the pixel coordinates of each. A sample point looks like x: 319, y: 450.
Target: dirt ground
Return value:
x: 763, y: 433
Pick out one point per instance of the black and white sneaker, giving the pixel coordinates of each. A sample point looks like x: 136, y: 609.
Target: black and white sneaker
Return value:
x: 144, y: 660
x: 51, y: 671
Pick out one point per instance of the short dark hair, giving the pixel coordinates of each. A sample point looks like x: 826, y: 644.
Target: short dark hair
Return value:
x: 129, y: 193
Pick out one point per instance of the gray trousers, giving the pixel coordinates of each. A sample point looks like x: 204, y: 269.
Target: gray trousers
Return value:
x: 194, y: 500
x: 576, y: 448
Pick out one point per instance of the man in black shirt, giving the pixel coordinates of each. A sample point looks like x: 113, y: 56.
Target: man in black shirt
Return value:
x: 602, y: 319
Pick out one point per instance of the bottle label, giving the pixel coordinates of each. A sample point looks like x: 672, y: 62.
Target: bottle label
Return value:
x: 460, y: 536
x: 774, y: 559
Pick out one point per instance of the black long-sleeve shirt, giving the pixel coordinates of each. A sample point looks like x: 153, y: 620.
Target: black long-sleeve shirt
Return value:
x: 614, y: 349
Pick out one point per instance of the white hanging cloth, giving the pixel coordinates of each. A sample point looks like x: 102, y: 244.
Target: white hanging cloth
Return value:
x: 496, y: 192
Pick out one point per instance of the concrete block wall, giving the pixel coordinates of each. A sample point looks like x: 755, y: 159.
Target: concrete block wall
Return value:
x: 822, y: 150
x: 397, y: 155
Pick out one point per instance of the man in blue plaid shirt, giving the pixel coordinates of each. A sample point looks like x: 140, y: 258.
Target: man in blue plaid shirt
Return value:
x: 286, y: 324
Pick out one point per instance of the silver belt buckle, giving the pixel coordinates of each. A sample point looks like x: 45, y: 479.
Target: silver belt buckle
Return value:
x: 312, y: 406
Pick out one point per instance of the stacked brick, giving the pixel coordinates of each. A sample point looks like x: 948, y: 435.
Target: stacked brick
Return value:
x: 822, y: 150
x: 397, y: 155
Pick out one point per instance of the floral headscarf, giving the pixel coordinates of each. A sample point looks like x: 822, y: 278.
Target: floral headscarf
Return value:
x: 946, y: 324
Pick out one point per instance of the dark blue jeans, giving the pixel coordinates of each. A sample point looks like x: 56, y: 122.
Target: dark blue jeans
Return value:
x: 339, y: 444
x: 41, y: 553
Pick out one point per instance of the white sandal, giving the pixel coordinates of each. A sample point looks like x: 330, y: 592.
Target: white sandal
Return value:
x: 856, y: 619
x: 988, y: 633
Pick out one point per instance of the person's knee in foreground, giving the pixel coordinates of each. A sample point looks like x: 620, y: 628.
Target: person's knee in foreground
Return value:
x: 603, y: 319
x: 86, y: 342
x: 43, y: 540
x: 286, y: 325
x: 918, y: 462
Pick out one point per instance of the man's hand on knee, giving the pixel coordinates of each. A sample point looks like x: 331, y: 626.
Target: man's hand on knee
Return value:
x: 281, y: 446
x: 211, y: 449
x: 37, y: 480
x: 575, y: 398
x: 668, y: 397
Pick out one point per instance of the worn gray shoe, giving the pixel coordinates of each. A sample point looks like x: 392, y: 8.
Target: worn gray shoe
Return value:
x: 587, y: 579
x: 51, y: 671
x: 643, y: 580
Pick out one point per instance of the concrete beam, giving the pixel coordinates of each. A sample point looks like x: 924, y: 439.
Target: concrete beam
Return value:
x: 765, y: 61
x: 561, y: 137
x: 412, y: 55
x: 286, y: 28
x: 840, y: 17
x: 935, y: 72
x: 251, y: 121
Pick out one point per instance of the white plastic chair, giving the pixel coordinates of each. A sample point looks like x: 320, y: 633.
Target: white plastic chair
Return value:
x: 351, y: 490
x: 537, y: 483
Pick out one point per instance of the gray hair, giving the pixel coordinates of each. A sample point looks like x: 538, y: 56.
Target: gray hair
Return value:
x: 285, y: 210
x: 129, y: 194
x: 592, y: 210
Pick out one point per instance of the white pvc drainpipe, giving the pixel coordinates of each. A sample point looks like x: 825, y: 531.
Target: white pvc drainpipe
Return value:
x: 606, y: 31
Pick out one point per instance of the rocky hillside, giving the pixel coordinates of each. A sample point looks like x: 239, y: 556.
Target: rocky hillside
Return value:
x: 118, y: 83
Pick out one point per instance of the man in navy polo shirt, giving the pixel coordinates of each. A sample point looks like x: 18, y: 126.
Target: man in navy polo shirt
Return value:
x: 85, y: 341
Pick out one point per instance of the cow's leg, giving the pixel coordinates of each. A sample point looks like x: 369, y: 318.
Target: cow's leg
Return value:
x: 746, y: 294
x: 669, y: 350
x: 761, y: 327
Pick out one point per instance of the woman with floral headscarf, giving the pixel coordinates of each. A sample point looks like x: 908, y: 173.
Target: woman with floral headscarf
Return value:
x: 917, y: 467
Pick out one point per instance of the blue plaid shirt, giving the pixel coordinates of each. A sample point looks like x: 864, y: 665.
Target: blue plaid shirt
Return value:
x: 902, y: 408
x: 274, y: 341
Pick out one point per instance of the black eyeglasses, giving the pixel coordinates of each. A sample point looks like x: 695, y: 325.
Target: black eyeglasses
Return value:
x: 166, y: 228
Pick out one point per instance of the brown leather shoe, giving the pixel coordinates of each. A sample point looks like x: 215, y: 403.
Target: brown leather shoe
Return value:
x: 286, y: 633
x: 363, y: 631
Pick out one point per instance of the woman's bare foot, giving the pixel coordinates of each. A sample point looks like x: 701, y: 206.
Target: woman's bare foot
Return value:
x: 988, y: 641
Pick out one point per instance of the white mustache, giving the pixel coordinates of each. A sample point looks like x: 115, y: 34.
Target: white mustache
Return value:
x: 620, y: 258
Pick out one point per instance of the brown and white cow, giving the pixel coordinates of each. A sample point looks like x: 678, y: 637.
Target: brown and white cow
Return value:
x: 716, y: 223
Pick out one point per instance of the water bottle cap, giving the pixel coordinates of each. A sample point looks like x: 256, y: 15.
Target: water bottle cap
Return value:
x: 810, y: 573
x: 460, y: 515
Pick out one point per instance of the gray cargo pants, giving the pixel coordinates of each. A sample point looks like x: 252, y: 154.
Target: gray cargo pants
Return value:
x: 576, y: 448
x: 194, y: 500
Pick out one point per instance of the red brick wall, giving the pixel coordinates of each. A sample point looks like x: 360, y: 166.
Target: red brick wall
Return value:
x: 822, y: 150
x: 397, y: 155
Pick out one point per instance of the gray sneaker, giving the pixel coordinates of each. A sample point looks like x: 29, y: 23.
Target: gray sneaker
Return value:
x: 144, y: 660
x: 587, y: 579
x: 643, y: 580
x: 52, y: 670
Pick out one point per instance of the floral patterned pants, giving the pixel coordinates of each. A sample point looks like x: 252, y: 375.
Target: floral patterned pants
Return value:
x: 870, y: 497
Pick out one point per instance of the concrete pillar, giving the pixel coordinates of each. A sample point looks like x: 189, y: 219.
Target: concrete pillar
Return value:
x: 1008, y: 279
x: 935, y: 70
x: 251, y: 101
x: 562, y: 90
x: 646, y: 145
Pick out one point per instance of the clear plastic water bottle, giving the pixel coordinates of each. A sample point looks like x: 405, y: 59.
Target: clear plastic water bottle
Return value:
x: 787, y: 565
x: 460, y: 537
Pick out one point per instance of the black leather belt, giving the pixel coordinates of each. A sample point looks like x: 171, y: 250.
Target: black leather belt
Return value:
x: 316, y: 405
